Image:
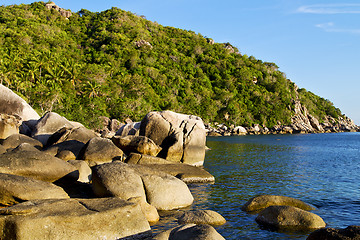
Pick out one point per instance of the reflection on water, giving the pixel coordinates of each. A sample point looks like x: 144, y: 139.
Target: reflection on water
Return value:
x: 320, y: 169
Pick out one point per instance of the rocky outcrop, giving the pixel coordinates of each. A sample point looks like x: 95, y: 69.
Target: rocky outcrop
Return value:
x: 263, y: 201
x: 63, y: 12
x: 81, y: 219
x: 288, y: 217
x: 181, y: 137
x: 349, y: 233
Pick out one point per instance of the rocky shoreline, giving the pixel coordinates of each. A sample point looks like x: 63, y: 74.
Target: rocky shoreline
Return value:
x: 301, y: 123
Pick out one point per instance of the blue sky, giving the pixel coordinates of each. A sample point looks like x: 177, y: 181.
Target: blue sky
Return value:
x: 315, y: 43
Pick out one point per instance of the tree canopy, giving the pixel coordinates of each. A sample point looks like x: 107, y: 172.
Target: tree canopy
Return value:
x: 117, y: 64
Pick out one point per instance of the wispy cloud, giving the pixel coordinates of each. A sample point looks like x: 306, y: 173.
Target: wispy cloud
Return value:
x: 330, y: 27
x: 341, y: 8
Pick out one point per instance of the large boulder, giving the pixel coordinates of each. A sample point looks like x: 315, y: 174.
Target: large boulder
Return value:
x: 9, y: 125
x: 15, y: 189
x: 16, y: 139
x: 80, y: 134
x: 27, y: 161
x: 201, y: 217
x: 263, y: 201
x: 164, y: 191
x: 136, y: 144
x: 287, y: 217
x: 100, y: 150
x: 117, y: 179
x: 190, y: 231
x: 181, y: 137
x: 84, y: 171
x: 349, y: 233
x: 48, y: 124
x: 12, y: 104
x: 81, y: 219
x: 161, y: 190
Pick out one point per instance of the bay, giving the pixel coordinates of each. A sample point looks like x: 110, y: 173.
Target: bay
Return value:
x: 319, y: 169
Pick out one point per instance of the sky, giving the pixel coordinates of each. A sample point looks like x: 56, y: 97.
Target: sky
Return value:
x: 314, y: 42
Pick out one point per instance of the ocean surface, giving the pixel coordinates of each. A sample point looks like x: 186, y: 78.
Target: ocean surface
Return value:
x: 319, y: 169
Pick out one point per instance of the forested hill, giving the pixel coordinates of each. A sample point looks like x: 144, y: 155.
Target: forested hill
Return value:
x: 117, y: 64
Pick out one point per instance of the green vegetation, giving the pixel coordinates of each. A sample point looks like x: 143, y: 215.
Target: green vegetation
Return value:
x: 99, y: 64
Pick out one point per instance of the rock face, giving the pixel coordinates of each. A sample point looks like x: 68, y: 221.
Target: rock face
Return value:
x: 181, y: 137
x: 190, y: 231
x: 63, y: 12
x: 349, y: 233
x: 9, y: 125
x: 12, y: 104
x: 15, y: 189
x: 264, y: 201
x: 81, y: 219
x: 287, y: 217
x: 201, y: 217
x: 27, y: 161
x: 136, y: 144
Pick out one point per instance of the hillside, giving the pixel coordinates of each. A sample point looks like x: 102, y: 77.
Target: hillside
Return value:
x: 117, y: 64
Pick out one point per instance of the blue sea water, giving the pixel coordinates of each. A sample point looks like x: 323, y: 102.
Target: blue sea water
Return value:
x: 320, y: 169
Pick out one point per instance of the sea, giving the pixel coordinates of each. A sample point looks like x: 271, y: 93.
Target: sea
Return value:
x: 320, y: 169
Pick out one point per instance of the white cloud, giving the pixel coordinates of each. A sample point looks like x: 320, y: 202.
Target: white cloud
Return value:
x: 330, y: 27
x: 341, y: 8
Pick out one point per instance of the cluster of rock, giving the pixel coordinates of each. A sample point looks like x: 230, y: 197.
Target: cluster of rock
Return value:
x: 63, y: 12
x: 285, y: 213
x: 60, y: 180
x: 301, y: 122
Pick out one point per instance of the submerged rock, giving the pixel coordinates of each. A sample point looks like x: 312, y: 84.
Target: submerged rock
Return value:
x: 190, y: 231
x: 287, y: 217
x: 349, y: 233
x: 264, y: 201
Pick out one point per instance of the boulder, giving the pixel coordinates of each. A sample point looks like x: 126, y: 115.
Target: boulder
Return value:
x: 16, y: 139
x: 100, y: 150
x: 27, y: 161
x: 12, y: 104
x: 264, y: 201
x: 315, y: 123
x: 185, y: 172
x: 9, y: 125
x: 131, y: 128
x: 80, y: 134
x: 81, y: 219
x: 117, y: 179
x: 72, y: 146
x: 136, y: 144
x: 2, y: 149
x: 201, y: 217
x: 190, y: 231
x: 49, y: 124
x: 239, y: 130
x: 66, y: 155
x: 349, y: 233
x: 288, y: 217
x: 84, y: 171
x: 165, y: 192
x: 181, y: 137
x: 15, y: 189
